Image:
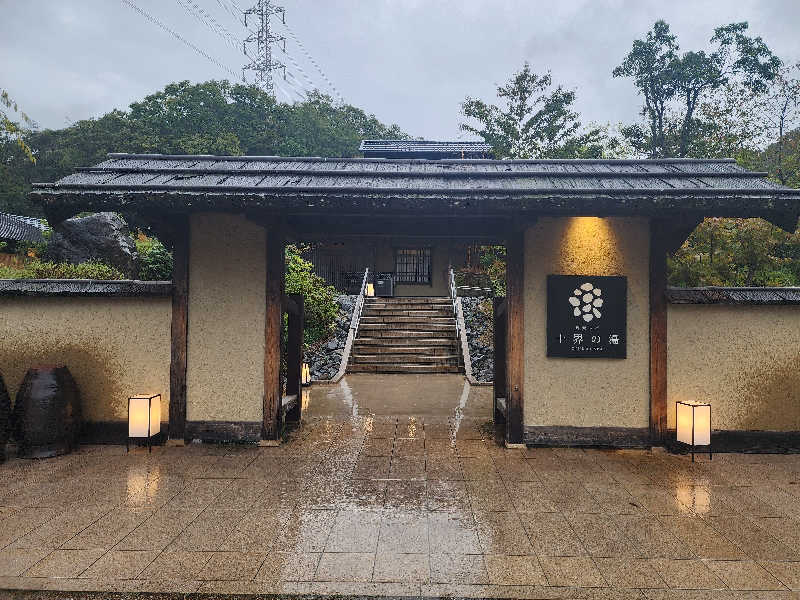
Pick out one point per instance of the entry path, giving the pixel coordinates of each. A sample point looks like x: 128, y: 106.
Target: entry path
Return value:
x: 424, y: 504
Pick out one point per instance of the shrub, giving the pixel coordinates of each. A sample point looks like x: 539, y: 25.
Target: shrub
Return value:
x: 320, y: 299
x: 155, y: 261
x: 49, y: 270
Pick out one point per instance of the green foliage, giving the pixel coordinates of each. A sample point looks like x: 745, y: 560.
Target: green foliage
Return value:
x: 214, y: 117
x: 737, y: 252
x: 535, y: 121
x: 321, y: 308
x: 49, y: 270
x: 155, y: 261
x: 13, y: 130
x: 674, y: 86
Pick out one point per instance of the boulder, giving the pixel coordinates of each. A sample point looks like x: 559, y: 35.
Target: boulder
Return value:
x: 103, y: 237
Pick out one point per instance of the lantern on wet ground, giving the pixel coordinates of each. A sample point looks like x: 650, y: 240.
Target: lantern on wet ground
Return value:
x: 144, y: 418
x: 693, y: 425
x: 305, y: 378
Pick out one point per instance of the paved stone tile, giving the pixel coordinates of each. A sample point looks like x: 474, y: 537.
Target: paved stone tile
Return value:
x: 572, y: 571
x: 406, y: 495
x: 744, y: 575
x: 514, y: 570
x: 177, y: 566
x: 458, y: 568
x: 223, y: 566
x: 502, y: 533
x: 627, y: 573
x: 354, y: 531
x: 64, y: 563
x: 14, y: 561
x: 452, y: 533
x: 345, y: 566
x: 551, y: 534
x: 601, y: 537
x: 288, y: 566
x: 687, y: 574
x: 117, y: 564
x: 306, y: 531
x: 403, y: 533
x: 402, y: 567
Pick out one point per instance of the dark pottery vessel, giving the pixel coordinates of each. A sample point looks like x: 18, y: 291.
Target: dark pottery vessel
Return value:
x: 47, y: 413
x: 5, y: 418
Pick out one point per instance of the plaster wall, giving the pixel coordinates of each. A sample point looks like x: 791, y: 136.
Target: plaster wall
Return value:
x: 745, y: 360
x: 587, y: 392
x: 114, y: 347
x: 227, y: 284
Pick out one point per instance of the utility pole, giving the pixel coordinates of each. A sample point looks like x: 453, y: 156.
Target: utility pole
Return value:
x: 261, y: 62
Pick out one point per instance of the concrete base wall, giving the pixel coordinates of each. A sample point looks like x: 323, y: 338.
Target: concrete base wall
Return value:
x: 745, y: 360
x: 227, y: 287
x: 587, y: 392
x: 114, y: 347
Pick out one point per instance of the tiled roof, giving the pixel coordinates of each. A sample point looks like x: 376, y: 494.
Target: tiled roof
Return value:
x: 20, y: 229
x: 83, y: 287
x: 647, y: 187
x: 424, y: 149
x: 734, y: 295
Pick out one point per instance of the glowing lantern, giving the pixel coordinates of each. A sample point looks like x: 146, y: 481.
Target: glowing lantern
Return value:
x: 693, y: 424
x: 370, y: 289
x: 144, y: 417
x: 305, y: 378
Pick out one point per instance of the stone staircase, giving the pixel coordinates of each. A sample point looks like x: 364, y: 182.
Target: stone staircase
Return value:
x: 406, y: 335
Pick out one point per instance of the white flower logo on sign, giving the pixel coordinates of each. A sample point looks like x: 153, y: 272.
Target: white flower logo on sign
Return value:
x: 586, y: 302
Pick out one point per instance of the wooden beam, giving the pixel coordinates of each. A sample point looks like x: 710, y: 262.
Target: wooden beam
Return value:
x: 272, y: 332
x: 179, y: 329
x: 659, y: 241
x: 515, y: 336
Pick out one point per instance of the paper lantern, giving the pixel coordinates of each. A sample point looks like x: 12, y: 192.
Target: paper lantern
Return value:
x: 144, y: 417
x: 693, y: 424
x: 370, y: 289
x: 305, y: 378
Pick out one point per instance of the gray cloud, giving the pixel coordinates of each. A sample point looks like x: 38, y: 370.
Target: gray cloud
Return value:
x: 408, y: 61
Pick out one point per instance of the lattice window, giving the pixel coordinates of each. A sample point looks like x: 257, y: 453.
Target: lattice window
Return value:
x: 413, y: 265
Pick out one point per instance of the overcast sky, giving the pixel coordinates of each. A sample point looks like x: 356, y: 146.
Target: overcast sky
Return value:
x: 409, y: 62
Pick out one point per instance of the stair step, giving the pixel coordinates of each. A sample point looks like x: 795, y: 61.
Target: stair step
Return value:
x: 449, y: 359
x: 408, y: 340
x: 394, y: 312
x: 409, y: 320
x: 400, y: 369
x: 383, y: 332
x: 448, y: 328
x: 373, y: 349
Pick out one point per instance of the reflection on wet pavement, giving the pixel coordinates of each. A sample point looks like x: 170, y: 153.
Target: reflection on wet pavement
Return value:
x: 372, y: 497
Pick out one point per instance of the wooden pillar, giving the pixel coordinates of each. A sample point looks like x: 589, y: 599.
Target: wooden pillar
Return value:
x: 515, y: 336
x: 272, y: 332
x: 658, y: 330
x: 179, y: 329
x: 294, y: 353
x: 499, y: 378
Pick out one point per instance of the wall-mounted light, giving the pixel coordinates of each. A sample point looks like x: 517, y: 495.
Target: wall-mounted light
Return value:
x: 693, y: 424
x: 305, y: 377
x: 144, y: 418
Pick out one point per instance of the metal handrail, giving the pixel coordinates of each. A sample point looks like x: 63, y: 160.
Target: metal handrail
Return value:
x: 359, y: 304
x: 454, y: 299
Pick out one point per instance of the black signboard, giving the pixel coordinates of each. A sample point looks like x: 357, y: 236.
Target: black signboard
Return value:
x: 586, y: 316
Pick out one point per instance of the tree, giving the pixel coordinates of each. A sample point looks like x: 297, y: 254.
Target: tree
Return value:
x: 11, y: 129
x: 214, y: 117
x: 675, y: 85
x: 535, y: 121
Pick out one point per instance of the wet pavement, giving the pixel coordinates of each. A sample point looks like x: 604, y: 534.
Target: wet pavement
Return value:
x: 369, y: 499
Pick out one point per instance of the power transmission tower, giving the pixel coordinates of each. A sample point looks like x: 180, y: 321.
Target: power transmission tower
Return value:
x: 262, y: 62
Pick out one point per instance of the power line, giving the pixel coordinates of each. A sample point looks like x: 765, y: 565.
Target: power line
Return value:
x: 209, y: 21
x: 312, y: 61
x: 178, y: 36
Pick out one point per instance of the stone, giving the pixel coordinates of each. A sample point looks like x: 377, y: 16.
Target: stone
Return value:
x: 102, y: 237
